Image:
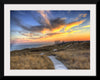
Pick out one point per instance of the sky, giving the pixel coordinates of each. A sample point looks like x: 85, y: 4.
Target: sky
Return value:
x: 47, y: 26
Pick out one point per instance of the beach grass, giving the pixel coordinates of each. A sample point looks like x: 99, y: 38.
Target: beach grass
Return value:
x: 74, y: 59
x: 74, y: 55
x: 33, y: 61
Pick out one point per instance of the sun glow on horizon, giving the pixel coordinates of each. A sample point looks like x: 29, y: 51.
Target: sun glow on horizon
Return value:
x: 50, y: 30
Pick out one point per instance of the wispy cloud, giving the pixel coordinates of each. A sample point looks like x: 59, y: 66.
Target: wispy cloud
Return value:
x: 49, y: 29
x: 57, y: 24
x: 45, y: 17
x: 80, y: 16
x: 73, y: 24
x: 84, y: 15
x: 27, y: 34
x: 87, y: 26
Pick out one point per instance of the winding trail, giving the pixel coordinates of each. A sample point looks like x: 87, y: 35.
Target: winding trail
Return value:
x: 57, y: 64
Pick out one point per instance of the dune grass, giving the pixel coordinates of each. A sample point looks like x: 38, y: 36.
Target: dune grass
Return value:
x: 74, y: 59
x: 33, y: 61
x: 74, y: 55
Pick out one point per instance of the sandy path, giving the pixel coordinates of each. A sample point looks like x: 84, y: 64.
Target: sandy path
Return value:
x: 57, y: 64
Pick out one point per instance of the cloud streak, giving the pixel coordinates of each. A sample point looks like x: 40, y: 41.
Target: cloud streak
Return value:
x: 80, y: 16
x: 57, y: 24
x: 49, y: 28
x: 45, y: 17
x: 73, y: 24
x: 87, y: 26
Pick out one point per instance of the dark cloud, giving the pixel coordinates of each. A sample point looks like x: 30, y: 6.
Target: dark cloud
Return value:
x: 51, y: 34
x: 43, y: 19
x: 18, y: 22
x: 58, y: 21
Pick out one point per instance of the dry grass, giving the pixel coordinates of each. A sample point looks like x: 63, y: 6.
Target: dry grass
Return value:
x: 76, y: 56
x: 34, y: 61
x: 75, y: 59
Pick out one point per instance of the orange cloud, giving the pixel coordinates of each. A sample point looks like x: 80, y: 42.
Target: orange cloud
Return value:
x: 45, y: 30
x: 76, y: 18
x: 57, y: 29
x: 73, y: 24
x: 67, y: 36
x: 82, y: 15
x: 79, y: 16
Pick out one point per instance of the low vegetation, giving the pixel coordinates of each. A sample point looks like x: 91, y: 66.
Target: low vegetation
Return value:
x: 74, y: 55
x: 74, y: 59
x: 33, y: 61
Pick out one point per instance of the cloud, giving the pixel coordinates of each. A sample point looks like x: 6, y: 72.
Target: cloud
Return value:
x: 55, y: 25
x: 74, y: 31
x: 34, y: 38
x: 31, y: 35
x: 48, y: 27
x: 18, y: 22
x: 42, y: 17
x: 77, y: 18
x: 80, y: 16
x: 45, y: 17
x: 87, y: 26
x: 57, y: 29
x: 45, y: 30
x: 27, y: 34
x: 73, y: 24
x: 84, y: 15
x: 51, y: 34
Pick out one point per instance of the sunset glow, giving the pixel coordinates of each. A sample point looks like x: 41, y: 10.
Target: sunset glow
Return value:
x: 39, y: 27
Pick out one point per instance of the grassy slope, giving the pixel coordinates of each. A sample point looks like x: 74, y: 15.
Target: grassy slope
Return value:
x: 27, y: 59
x: 34, y: 61
x: 74, y: 59
x: 73, y: 55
